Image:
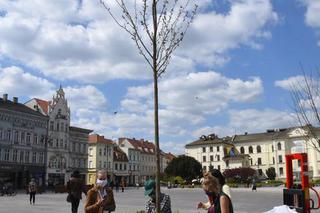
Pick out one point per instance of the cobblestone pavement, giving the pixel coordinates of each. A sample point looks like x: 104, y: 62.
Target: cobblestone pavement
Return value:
x: 132, y: 200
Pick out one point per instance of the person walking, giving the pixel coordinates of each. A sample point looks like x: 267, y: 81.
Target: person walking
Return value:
x: 32, y: 188
x: 100, y: 198
x: 254, y: 185
x: 122, y: 183
x: 165, y: 203
x: 75, y: 187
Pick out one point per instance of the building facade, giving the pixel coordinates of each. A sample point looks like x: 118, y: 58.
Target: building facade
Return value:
x: 23, y: 134
x: 78, y: 157
x: 259, y: 151
x: 100, y: 152
x: 120, y: 166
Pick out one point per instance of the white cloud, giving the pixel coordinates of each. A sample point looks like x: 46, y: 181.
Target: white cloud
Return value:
x: 81, y: 42
x: 312, y: 15
x: 16, y: 82
x: 212, y: 34
x: 290, y: 83
x: 251, y: 121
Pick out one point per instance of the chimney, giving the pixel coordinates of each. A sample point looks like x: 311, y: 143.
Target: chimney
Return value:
x: 15, y: 100
x: 5, y: 97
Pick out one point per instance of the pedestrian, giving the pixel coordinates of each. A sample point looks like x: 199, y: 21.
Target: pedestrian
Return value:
x: 32, y: 188
x: 254, y: 185
x: 218, y: 201
x: 100, y: 198
x: 75, y: 187
x: 122, y: 185
x: 165, y: 203
x: 117, y: 186
x: 222, y: 181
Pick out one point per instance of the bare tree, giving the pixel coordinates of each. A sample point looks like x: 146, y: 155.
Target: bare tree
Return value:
x: 157, y: 27
x: 306, y: 99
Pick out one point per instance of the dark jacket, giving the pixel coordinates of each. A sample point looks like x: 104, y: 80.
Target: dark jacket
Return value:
x: 75, y: 187
x: 93, y: 198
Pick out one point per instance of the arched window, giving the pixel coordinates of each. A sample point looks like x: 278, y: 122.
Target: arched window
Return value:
x: 242, y: 150
x: 272, y: 148
x: 259, y: 149
x: 279, y: 146
x: 250, y: 149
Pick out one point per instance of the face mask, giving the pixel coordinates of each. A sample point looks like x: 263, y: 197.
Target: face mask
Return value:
x: 102, y: 183
x: 210, y: 193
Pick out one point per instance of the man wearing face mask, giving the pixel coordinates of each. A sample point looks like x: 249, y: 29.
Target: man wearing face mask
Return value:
x: 100, y: 198
x: 165, y: 203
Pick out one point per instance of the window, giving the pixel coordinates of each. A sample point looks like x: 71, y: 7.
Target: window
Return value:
x: 258, y: 149
x: 105, y: 151
x: 57, y: 126
x: 281, y: 171
x: 203, y: 149
x: 100, y: 152
x: 242, y: 150
x: 280, y: 158
x: 260, y: 172
x: 62, y: 127
x: 219, y: 167
x: 273, y: 161
x: 51, y: 125
x: 124, y: 166
x: 1, y: 137
x: 16, y: 137
x: 90, y: 164
x: 204, y: 159
x: 6, y: 154
x: 26, y: 157
x: 218, y: 148
x: 0, y: 154
x: 250, y: 149
x: 21, y: 156
x: 120, y: 166
x: 15, y: 155
x: 272, y: 148
x: 90, y: 151
x: 251, y: 161
x: 227, y: 163
x: 100, y: 164
x: 218, y: 157
x: 259, y: 161
x: 9, y: 135
x: 115, y: 166
x: 23, y: 137
x: 34, y: 157
x: 41, y: 157
x: 104, y: 164
x: 211, y: 157
x: 28, y: 138
x: 279, y: 146
x: 35, y: 139
x: 61, y: 143
x: 204, y: 168
x: 211, y: 149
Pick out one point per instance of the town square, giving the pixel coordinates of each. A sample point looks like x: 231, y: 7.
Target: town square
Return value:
x: 160, y: 106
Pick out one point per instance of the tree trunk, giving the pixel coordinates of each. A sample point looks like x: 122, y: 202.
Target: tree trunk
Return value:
x: 156, y: 104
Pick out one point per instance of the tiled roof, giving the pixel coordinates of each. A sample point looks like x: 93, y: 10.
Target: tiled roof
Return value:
x: 119, y: 155
x: 95, y: 138
x: 9, y: 105
x: 44, y: 105
x: 78, y: 129
x: 210, y: 139
x: 141, y: 145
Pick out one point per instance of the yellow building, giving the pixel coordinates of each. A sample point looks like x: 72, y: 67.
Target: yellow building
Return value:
x: 100, y: 152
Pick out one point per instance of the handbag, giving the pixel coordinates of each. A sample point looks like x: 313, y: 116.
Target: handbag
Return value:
x: 69, y: 198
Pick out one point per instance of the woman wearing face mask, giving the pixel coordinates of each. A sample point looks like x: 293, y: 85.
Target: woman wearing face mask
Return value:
x: 100, y: 198
x: 219, y: 202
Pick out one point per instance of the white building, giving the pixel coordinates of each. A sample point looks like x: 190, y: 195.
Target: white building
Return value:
x: 263, y: 150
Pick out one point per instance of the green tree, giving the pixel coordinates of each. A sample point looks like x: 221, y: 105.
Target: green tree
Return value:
x: 184, y: 166
x: 271, y: 173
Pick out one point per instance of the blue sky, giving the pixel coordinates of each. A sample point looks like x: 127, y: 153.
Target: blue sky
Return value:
x: 232, y: 73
